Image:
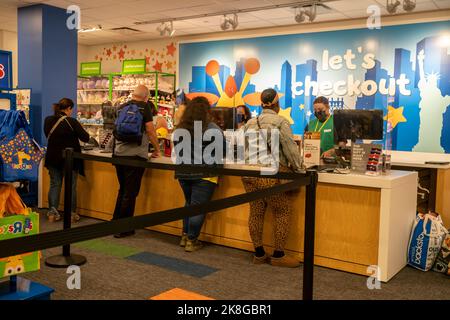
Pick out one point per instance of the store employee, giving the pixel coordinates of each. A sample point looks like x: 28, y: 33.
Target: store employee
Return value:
x: 324, y: 124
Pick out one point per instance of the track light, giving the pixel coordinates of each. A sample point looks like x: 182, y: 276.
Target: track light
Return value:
x: 166, y: 29
x: 301, y: 13
x: 409, y: 5
x: 228, y: 22
x: 97, y: 28
x: 391, y: 6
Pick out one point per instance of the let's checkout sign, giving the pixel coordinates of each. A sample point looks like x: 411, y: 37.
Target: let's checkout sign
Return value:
x: 5, y: 70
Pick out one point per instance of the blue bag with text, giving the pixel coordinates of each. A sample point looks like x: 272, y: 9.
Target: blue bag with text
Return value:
x: 129, y: 124
x: 426, y: 239
x: 20, y: 154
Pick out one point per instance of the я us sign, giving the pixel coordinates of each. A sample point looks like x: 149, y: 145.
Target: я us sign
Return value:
x: 5, y: 70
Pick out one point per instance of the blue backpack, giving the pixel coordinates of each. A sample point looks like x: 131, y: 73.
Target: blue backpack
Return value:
x: 129, y: 124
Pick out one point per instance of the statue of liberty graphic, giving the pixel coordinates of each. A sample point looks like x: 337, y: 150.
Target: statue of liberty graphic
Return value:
x: 432, y: 108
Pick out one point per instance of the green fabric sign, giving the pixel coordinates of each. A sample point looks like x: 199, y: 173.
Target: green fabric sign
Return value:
x: 134, y: 66
x: 91, y: 69
x: 16, y: 227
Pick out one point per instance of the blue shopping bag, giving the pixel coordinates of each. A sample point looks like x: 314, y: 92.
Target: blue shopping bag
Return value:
x: 427, y: 235
x: 20, y: 155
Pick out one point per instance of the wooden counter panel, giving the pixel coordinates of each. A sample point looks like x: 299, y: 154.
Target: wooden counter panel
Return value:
x: 443, y: 195
x: 347, y: 217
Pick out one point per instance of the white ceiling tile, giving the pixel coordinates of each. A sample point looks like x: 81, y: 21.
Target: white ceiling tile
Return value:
x: 274, y: 13
x: 442, y: 4
x: 350, y: 5
x: 256, y: 24
x: 246, y: 4
x: 283, y: 21
x: 330, y: 17
x: 424, y: 6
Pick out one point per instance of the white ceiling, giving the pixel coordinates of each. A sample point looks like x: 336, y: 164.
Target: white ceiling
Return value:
x: 123, y: 13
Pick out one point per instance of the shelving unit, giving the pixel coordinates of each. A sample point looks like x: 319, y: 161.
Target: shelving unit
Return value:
x: 94, y: 90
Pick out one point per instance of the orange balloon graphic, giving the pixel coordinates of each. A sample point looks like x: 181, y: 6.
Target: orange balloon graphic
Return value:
x: 212, y: 68
x: 230, y: 87
x: 252, y: 65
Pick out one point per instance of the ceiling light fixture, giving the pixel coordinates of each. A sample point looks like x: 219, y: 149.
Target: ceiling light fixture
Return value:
x: 301, y: 13
x: 166, y: 29
x: 97, y: 28
x: 409, y: 5
x: 228, y: 22
x: 391, y: 6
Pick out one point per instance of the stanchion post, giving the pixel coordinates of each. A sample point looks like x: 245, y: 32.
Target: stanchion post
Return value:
x: 68, y: 177
x: 67, y: 259
x: 310, y: 221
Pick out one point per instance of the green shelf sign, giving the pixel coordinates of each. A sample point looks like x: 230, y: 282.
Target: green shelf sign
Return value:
x: 134, y: 66
x: 91, y: 69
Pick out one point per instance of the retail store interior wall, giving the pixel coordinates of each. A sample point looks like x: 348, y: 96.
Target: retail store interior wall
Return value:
x: 159, y: 52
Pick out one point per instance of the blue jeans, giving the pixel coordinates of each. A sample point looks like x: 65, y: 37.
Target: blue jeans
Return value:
x: 195, y: 192
x: 56, y: 179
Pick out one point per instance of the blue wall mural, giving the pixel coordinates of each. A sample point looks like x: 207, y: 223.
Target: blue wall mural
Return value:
x: 403, y: 70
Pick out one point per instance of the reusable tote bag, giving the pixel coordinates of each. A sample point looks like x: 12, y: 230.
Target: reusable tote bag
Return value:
x: 20, y: 222
x: 426, y: 239
x: 20, y: 155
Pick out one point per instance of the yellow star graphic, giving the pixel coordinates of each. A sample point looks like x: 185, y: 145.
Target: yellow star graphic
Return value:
x: 302, y: 106
x: 395, y: 116
x: 287, y: 114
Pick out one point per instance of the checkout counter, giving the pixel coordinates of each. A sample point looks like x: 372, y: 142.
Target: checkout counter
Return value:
x: 361, y: 221
x: 434, y: 179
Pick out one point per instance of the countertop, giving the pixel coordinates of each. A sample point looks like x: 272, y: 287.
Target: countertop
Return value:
x: 395, y: 178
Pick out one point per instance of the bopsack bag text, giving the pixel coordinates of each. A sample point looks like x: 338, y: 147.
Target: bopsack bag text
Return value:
x: 426, y: 238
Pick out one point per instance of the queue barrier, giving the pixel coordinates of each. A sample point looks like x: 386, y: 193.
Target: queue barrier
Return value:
x: 71, y: 235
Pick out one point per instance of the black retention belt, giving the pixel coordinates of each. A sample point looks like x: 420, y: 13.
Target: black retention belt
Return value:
x: 64, y: 237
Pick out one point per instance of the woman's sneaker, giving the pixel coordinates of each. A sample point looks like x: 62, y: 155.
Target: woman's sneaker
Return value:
x: 183, y: 240
x: 192, y: 245
x: 53, y: 215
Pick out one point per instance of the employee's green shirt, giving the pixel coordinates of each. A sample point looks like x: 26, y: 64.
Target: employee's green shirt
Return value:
x: 327, y: 133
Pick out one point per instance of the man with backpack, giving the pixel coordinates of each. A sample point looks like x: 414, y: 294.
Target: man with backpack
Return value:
x: 133, y: 131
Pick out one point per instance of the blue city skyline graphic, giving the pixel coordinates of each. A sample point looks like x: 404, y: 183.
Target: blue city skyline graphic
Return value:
x: 427, y: 91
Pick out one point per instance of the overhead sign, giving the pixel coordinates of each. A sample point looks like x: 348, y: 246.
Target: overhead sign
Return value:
x: 5, y: 70
x: 91, y: 68
x: 134, y: 66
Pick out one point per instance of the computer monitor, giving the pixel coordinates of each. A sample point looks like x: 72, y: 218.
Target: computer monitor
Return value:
x: 224, y: 117
x: 359, y: 124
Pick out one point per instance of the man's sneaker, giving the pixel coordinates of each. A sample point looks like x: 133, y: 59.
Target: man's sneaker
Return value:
x: 183, y: 240
x: 285, y: 261
x: 192, y: 245
x: 53, y: 215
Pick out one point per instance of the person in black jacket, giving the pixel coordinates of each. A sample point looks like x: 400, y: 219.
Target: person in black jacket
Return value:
x: 197, y: 187
x: 62, y: 131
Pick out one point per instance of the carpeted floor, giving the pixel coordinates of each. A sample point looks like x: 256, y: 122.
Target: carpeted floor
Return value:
x: 151, y: 263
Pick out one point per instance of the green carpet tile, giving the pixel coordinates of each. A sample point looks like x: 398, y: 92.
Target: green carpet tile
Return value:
x: 108, y: 247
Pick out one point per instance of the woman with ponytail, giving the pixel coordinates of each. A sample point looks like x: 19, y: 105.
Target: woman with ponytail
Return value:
x: 62, y: 131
